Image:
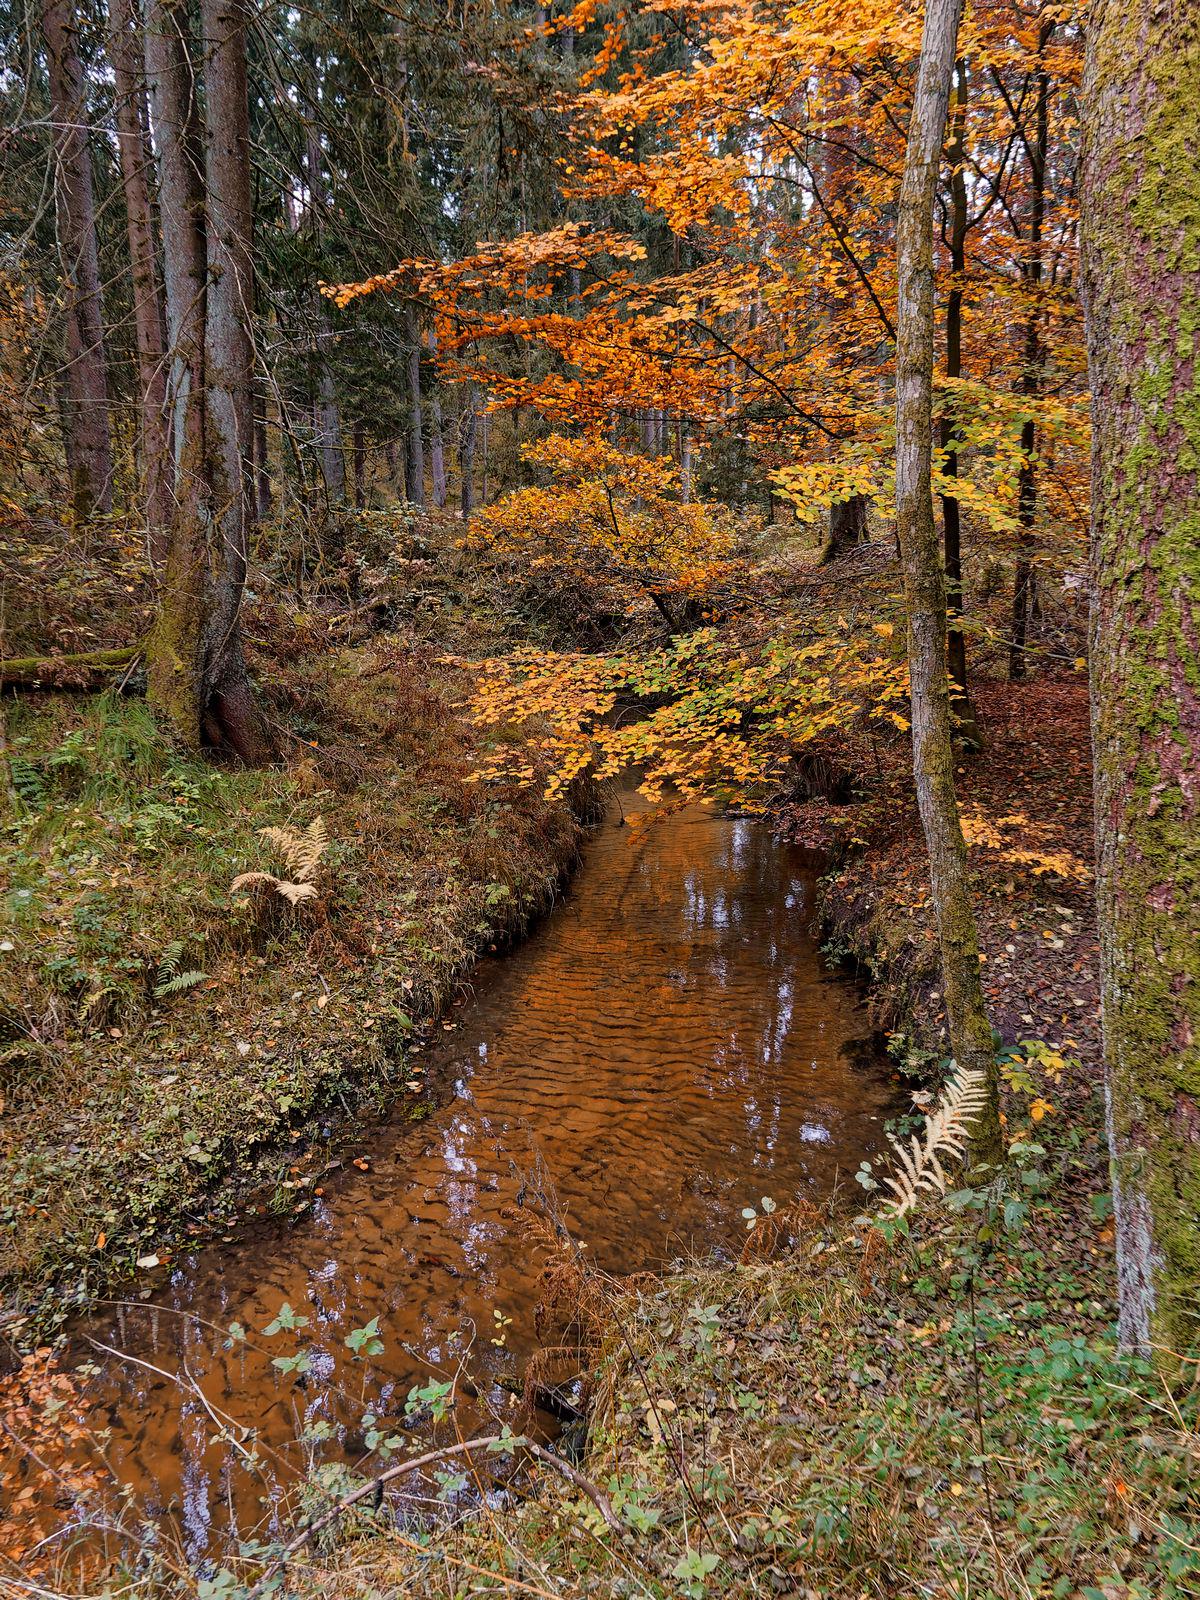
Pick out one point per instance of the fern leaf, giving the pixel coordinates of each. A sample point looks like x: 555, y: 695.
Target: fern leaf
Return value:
x: 27, y: 780
x: 947, y: 1130
x: 312, y: 847
x: 301, y: 852
x: 169, y: 963
x: 246, y: 880
x: 295, y: 892
x: 176, y: 984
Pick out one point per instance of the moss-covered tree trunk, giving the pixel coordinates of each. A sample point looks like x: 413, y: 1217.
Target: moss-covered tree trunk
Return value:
x: 925, y: 579
x: 1141, y: 259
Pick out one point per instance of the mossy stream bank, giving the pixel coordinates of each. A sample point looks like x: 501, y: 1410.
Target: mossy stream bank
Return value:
x: 171, y: 1048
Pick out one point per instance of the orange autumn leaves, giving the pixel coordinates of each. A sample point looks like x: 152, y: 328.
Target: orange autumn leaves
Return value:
x: 722, y: 717
x: 44, y: 1465
x: 612, y: 520
x: 753, y: 157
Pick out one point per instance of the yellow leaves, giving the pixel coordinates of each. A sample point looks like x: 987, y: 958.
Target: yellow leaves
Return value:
x: 719, y: 718
x: 1037, y: 852
x: 1039, y: 1108
x: 608, y: 518
x: 885, y: 630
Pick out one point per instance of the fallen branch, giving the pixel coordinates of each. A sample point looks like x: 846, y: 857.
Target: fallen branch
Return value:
x: 45, y: 672
x: 375, y: 1487
x: 598, y: 1498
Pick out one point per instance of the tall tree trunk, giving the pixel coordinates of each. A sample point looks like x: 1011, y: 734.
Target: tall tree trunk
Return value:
x: 437, y: 454
x: 328, y: 416
x: 1141, y: 224
x: 195, y: 668
x: 437, y: 450
x: 262, y: 463
x: 848, y: 523
x: 88, y: 443
x: 229, y: 364
x: 1036, y: 150
x: 466, y: 454
x: 173, y: 662
x: 157, y: 465
x: 956, y: 644
x: 360, y: 464
x: 924, y: 578
x: 416, y: 443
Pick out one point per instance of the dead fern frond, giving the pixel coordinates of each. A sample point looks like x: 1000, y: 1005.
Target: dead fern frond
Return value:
x: 301, y: 852
x: 947, y: 1129
x: 772, y: 1232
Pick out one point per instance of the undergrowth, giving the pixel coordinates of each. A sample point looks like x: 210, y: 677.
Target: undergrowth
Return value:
x: 939, y: 1414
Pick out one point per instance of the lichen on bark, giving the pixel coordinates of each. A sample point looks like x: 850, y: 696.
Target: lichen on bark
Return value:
x: 1141, y: 240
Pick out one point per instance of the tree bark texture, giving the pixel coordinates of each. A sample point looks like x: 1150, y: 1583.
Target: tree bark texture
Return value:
x: 437, y: 448
x: 154, y: 449
x: 88, y: 442
x: 173, y: 657
x: 1141, y: 275
x: 328, y: 416
x: 466, y: 453
x: 228, y: 359
x: 956, y: 644
x: 196, y: 674
x: 924, y: 577
x: 848, y: 526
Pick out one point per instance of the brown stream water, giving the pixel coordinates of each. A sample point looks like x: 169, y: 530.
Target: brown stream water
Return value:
x: 666, y: 1048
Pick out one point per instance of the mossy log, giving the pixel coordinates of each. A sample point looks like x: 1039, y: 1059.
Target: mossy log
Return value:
x: 66, y: 672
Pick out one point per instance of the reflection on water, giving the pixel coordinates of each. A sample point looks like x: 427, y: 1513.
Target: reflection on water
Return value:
x: 665, y: 1050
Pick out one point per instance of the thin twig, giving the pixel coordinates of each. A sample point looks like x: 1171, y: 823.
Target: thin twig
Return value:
x: 375, y: 1487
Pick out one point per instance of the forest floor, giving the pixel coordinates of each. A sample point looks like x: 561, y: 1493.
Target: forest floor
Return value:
x: 172, y: 1053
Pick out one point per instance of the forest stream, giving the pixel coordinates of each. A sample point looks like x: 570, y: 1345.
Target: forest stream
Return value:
x: 668, y: 1047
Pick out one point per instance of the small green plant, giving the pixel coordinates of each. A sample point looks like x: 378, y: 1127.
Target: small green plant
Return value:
x: 172, y: 977
x: 365, y: 1341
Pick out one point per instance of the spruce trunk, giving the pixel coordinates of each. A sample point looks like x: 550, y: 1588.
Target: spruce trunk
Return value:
x: 149, y: 317
x: 88, y: 443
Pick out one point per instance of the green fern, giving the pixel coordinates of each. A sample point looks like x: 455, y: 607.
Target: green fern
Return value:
x: 172, y: 979
x: 180, y: 982
x: 27, y: 780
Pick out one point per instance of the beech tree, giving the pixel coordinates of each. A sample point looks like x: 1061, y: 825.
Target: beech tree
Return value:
x: 85, y: 380
x: 925, y: 578
x: 1141, y: 238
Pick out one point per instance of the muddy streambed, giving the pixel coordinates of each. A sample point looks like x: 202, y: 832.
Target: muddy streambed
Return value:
x: 668, y: 1047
